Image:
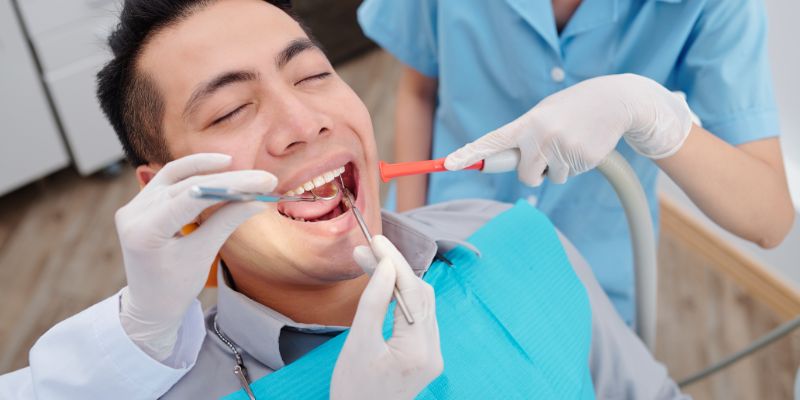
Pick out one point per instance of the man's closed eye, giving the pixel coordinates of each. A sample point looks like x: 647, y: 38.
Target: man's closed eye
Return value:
x: 231, y: 115
x: 313, y: 78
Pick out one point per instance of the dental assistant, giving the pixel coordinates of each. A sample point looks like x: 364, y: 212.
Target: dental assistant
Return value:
x: 473, y: 67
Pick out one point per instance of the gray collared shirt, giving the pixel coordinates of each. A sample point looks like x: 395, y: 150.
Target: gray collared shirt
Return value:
x: 621, y: 366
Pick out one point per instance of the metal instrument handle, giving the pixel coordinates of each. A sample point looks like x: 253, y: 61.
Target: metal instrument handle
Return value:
x: 241, y: 372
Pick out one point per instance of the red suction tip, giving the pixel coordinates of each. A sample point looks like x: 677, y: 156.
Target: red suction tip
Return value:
x: 390, y: 171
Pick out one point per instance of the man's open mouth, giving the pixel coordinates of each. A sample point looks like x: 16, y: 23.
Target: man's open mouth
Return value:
x: 323, y: 184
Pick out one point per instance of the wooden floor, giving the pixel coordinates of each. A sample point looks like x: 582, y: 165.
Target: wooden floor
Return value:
x: 59, y: 254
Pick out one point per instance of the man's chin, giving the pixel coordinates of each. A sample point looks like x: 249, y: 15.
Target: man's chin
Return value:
x: 349, y: 274
x: 342, y: 271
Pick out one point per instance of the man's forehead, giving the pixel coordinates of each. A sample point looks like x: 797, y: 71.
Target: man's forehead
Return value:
x: 226, y: 35
x: 223, y: 30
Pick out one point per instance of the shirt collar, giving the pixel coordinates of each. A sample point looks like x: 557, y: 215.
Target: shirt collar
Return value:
x: 539, y: 15
x: 591, y: 14
x: 256, y: 328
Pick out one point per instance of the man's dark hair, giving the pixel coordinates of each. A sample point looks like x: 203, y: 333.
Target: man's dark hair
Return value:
x: 129, y: 98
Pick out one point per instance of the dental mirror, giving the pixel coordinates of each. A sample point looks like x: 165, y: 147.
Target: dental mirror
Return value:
x: 325, y: 193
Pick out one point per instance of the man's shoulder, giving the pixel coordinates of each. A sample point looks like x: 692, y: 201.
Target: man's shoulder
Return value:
x: 458, y: 217
x: 467, y: 206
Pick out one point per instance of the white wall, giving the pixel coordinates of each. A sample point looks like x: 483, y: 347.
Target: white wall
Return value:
x: 784, y: 52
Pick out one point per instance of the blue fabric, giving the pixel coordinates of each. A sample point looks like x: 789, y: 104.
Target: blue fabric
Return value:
x: 514, y: 323
x: 494, y: 60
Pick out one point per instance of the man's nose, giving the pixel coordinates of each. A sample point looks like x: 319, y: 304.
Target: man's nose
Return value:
x: 296, y: 125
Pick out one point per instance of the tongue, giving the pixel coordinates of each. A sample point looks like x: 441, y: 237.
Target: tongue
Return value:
x: 308, y: 210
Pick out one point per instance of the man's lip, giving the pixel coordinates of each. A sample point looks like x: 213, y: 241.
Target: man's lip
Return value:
x: 303, y: 174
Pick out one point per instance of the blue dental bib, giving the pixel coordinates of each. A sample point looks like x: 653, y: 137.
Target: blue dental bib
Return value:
x: 514, y: 323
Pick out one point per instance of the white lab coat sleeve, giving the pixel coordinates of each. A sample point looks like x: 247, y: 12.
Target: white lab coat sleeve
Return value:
x: 89, y: 356
x: 17, y: 385
x: 621, y: 365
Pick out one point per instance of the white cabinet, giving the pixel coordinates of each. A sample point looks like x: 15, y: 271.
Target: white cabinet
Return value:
x: 30, y: 145
x: 69, y: 39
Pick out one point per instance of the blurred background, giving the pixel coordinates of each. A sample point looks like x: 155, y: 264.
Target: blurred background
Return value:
x: 62, y: 178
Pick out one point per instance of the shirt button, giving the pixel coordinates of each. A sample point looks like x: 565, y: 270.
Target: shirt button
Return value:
x: 557, y: 74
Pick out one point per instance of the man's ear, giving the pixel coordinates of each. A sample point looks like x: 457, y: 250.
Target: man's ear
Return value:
x: 146, y: 172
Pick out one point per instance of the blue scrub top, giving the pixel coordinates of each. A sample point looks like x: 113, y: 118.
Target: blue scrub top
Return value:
x: 494, y: 60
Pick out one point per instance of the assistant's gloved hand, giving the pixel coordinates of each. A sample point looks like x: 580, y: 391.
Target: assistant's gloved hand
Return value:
x: 370, y: 367
x: 166, y: 272
x: 573, y: 130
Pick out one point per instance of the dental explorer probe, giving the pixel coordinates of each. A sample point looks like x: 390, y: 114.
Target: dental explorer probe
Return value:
x: 363, y: 225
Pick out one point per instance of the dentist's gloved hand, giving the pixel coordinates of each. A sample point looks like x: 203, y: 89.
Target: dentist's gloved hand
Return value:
x: 573, y: 130
x: 370, y: 367
x: 165, y: 271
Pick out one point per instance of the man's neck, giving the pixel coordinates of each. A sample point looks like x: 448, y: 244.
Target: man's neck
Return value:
x: 331, y: 304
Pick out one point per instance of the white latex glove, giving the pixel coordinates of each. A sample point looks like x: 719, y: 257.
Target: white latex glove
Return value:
x: 573, y: 130
x: 165, y: 271
x: 370, y: 367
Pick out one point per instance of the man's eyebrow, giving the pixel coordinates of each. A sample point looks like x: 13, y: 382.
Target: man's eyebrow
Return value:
x: 208, y: 88
x: 294, y: 48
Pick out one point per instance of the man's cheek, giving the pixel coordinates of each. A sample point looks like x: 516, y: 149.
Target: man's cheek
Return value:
x: 260, y: 235
x: 235, y: 144
x: 261, y: 224
x: 359, y: 115
x: 254, y: 221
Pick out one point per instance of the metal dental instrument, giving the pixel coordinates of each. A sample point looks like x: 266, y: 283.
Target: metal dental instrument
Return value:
x: 214, y: 193
x: 363, y: 225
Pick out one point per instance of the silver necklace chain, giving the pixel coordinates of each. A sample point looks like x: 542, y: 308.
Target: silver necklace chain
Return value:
x: 227, y: 342
x: 239, y: 370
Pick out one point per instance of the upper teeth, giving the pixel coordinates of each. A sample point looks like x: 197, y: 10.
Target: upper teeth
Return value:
x: 316, y: 182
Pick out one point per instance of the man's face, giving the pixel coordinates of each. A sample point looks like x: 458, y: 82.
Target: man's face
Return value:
x: 240, y: 77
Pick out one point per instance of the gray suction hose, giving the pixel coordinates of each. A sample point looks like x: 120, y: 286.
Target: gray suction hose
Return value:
x: 640, y: 224
x: 625, y: 182
x: 771, y: 336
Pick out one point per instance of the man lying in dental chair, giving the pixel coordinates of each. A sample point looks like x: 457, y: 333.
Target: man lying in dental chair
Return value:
x: 217, y: 93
